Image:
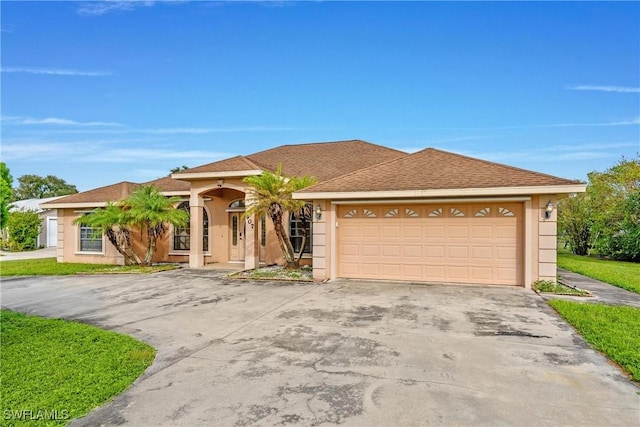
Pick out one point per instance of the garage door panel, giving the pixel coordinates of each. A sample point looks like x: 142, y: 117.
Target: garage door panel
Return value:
x: 391, y: 250
x: 482, y: 252
x: 475, y: 243
x: 434, y: 231
x: 435, y: 252
x: 412, y: 251
x: 370, y: 231
x: 389, y: 231
x: 370, y: 250
x: 458, y: 232
x: 458, y: 252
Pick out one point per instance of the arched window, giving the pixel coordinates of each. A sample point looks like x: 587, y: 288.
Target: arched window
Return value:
x: 182, y: 235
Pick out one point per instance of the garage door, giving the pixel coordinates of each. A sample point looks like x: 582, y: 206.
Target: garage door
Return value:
x: 457, y: 243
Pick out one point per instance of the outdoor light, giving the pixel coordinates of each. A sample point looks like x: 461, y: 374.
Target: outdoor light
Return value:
x: 220, y: 182
x: 318, y: 212
x: 548, y: 210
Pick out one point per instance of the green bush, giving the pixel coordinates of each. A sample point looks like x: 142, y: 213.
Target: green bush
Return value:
x: 23, y: 229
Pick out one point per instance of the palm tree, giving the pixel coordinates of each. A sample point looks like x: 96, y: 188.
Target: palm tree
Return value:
x: 113, y: 221
x: 146, y: 209
x: 272, y: 197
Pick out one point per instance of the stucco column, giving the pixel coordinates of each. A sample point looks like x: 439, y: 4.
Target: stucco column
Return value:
x: 196, y: 254
x: 251, y: 249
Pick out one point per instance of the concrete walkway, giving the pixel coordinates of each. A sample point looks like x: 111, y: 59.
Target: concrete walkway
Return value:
x: 241, y: 353
x: 39, y: 253
x: 602, y: 292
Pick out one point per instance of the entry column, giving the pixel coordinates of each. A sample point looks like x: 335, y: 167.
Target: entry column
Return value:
x: 251, y: 252
x: 196, y: 252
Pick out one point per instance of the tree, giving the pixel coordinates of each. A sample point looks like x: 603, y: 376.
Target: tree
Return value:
x: 6, y: 181
x: 147, y: 210
x: 574, y: 223
x: 23, y: 228
x: 610, y: 194
x: 605, y: 218
x: 271, y: 193
x: 179, y: 168
x: 114, y: 223
x: 37, y: 187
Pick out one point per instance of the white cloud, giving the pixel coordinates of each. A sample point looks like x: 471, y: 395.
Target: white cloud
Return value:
x: 19, y: 120
x: 55, y: 71
x: 617, y: 89
x: 103, y: 7
x: 125, y: 155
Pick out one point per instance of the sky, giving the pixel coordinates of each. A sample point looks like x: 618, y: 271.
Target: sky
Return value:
x: 108, y: 91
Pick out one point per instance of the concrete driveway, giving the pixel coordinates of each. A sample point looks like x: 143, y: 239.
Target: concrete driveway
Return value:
x: 236, y: 353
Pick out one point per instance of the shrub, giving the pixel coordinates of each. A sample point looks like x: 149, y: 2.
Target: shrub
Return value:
x: 23, y: 228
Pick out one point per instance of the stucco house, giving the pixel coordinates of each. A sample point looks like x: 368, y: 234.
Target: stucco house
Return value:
x: 379, y: 213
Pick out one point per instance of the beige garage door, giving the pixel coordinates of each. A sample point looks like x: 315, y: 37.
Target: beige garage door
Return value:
x: 458, y: 243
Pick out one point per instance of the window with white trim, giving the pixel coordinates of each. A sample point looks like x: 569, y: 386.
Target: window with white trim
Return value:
x: 182, y: 235
x: 90, y: 239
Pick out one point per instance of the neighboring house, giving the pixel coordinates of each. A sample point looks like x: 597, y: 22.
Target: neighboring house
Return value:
x: 48, y: 236
x: 379, y: 213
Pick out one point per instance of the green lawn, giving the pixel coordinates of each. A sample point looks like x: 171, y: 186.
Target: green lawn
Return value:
x: 50, y: 267
x: 54, y: 370
x: 614, y: 330
x: 622, y: 274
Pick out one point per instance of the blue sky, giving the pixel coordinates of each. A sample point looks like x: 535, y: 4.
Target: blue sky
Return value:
x: 101, y: 92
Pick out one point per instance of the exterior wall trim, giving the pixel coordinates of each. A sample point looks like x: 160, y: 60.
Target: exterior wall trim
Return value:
x: 450, y: 192
x: 427, y: 201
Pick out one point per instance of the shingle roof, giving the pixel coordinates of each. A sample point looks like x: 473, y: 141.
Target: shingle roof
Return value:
x: 167, y: 183
x: 238, y: 163
x: 432, y: 169
x: 324, y: 160
x: 110, y: 193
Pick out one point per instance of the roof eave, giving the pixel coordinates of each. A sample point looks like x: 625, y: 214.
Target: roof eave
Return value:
x: 193, y: 176
x: 74, y: 205
x: 455, y: 192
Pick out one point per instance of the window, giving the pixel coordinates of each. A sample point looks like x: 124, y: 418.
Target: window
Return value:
x: 297, y: 228
x: 182, y: 235
x: 90, y: 239
x: 263, y: 230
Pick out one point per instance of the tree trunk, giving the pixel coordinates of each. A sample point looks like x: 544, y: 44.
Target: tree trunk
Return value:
x: 285, y: 245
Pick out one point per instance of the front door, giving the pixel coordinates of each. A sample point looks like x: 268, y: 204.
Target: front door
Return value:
x: 236, y: 237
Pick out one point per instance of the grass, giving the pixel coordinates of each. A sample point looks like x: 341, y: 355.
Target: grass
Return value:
x: 54, y: 370
x: 550, y: 287
x: 613, y: 330
x: 50, y: 267
x: 622, y: 274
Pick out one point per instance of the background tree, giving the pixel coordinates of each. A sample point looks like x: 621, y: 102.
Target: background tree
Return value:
x: 606, y: 218
x: 179, y: 168
x: 271, y: 192
x: 574, y: 223
x: 147, y: 210
x: 6, y: 182
x: 38, y: 187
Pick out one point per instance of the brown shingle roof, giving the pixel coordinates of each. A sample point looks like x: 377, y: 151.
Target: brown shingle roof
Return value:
x: 110, y: 193
x: 432, y: 169
x: 238, y: 163
x: 167, y: 183
x: 324, y: 160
